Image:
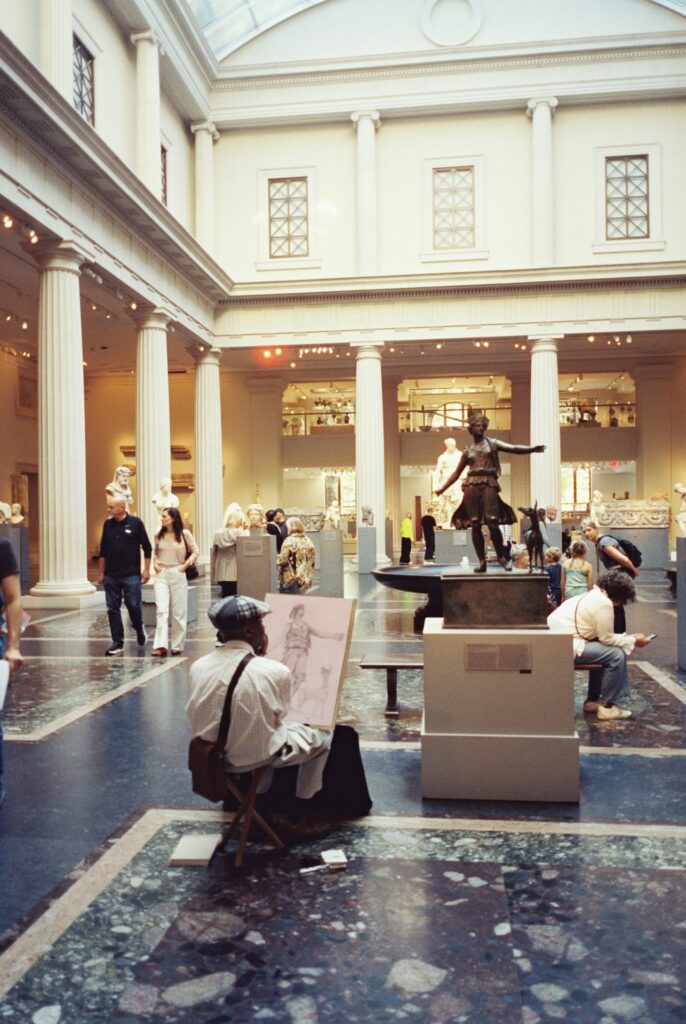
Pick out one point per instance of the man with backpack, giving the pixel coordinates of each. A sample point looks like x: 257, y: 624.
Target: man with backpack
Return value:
x: 614, y: 554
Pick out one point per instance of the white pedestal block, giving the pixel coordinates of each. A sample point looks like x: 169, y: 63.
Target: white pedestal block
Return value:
x: 366, y: 548
x: 498, y: 715
x: 256, y: 566
x: 331, y: 563
x: 453, y: 545
x: 66, y: 601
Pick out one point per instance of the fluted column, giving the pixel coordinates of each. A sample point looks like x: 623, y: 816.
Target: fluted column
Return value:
x: 56, y: 45
x: 153, y: 437
x: 366, y: 122
x: 61, y: 426
x: 542, y: 190
x: 205, y: 136
x: 545, y: 420
x: 209, y: 490
x: 369, y: 441
x: 391, y: 433
x: 653, y: 462
x: 148, y: 140
x: 266, y: 438
x: 520, y: 425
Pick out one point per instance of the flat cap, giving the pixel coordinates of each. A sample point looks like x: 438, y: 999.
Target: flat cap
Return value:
x: 229, y: 613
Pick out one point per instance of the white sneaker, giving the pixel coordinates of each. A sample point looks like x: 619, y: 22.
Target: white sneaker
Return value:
x: 612, y: 713
x: 219, y: 643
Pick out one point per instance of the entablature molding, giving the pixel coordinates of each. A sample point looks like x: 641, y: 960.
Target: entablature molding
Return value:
x: 45, y: 121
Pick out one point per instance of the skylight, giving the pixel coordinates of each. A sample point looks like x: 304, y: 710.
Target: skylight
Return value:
x: 228, y: 24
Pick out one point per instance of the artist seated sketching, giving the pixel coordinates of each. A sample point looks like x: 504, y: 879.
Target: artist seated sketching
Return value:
x: 258, y: 734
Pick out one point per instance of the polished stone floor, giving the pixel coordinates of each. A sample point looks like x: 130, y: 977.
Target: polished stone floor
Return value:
x: 449, y: 911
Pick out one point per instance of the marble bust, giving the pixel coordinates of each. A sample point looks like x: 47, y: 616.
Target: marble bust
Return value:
x: 17, y: 516
x: 164, y: 497
x: 367, y: 515
x: 119, y: 487
x: 5, y: 512
x: 256, y: 518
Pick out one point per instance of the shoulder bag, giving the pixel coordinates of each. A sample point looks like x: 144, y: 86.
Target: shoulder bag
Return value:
x: 206, y: 758
x: 192, y: 570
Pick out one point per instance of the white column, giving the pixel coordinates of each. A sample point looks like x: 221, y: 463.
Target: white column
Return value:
x: 542, y: 194
x: 209, y: 489
x: 520, y: 425
x: 391, y: 433
x: 545, y: 420
x: 366, y: 122
x: 148, y: 140
x: 205, y: 136
x: 369, y: 441
x: 56, y: 45
x: 153, y: 440
x: 61, y: 426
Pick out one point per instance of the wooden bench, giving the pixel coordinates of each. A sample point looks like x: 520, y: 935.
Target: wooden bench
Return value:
x: 391, y: 666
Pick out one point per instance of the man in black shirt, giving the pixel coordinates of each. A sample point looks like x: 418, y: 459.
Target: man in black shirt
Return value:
x: 276, y: 519
x: 428, y: 527
x: 10, y: 609
x: 123, y: 536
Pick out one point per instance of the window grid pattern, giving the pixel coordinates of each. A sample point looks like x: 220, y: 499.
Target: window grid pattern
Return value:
x: 453, y: 208
x: 626, y: 197
x: 163, y: 172
x: 84, y: 81
x: 288, y: 217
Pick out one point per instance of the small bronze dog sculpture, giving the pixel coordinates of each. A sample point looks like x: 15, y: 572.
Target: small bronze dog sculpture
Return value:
x: 534, y: 538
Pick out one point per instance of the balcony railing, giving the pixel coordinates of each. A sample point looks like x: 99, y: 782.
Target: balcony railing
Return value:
x: 582, y: 413
x: 318, y: 423
x: 440, y: 421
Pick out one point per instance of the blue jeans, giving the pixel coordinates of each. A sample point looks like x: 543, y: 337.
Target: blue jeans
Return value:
x: 130, y: 589
x: 611, y: 678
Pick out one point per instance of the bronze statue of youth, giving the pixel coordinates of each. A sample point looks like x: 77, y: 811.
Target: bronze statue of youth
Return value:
x: 481, y: 501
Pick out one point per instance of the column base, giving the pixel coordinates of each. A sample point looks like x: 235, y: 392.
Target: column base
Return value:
x: 72, y: 594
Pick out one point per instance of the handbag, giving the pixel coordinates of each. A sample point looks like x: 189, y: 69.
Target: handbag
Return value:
x: 192, y: 570
x: 206, y: 757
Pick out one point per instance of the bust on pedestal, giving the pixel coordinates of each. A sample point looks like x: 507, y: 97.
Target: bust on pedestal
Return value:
x: 164, y: 497
x: 119, y: 487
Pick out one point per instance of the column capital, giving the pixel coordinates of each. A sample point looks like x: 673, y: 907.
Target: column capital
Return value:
x: 147, y: 36
x: 367, y: 347
x: 153, y: 316
x: 205, y: 355
x: 205, y: 126
x: 61, y: 254
x: 359, y: 115
x: 544, y: 342
x: 542, y: 101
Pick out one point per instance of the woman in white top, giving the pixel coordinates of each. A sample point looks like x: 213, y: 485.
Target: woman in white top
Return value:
x: 175, y: 551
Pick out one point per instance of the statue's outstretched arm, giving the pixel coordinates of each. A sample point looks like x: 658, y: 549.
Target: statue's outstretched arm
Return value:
x: 520, y: 449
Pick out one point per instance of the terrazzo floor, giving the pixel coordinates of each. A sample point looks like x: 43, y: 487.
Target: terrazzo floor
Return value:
x: 449, y: 911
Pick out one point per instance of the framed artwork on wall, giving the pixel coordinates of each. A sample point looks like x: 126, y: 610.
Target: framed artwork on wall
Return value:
x: 311, y: 636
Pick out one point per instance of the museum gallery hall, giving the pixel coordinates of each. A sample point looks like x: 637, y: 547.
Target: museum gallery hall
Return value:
x: 281, y: 256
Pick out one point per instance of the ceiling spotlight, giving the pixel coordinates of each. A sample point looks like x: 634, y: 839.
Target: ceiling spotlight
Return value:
x: 134, y: 305
x: 278, y: 351
x: 267, y: 353
x: 486, y: 344
x: 439, y: 345
x: 7, y: 221
x: 591, y: 337
x: 629, y: 339
x: 24, y: 325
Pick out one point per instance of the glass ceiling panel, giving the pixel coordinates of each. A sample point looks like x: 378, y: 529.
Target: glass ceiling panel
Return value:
x: 227, y: 24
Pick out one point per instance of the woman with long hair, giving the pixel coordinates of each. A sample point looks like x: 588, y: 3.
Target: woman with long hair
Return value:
x: 175, y: 551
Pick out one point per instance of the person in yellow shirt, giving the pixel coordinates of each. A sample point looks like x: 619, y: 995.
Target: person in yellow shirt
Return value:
x: 406, y: 539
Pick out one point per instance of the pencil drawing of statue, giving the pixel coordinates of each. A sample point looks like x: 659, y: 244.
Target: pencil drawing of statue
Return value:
x: 294, y: 647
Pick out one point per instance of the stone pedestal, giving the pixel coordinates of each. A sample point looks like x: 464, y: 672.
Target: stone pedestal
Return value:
x: 366, y: 549
x: 150, y: 611
x: 331, y: 563
x: 681, y: 602
x: 256, y: 566
x: 388, y: 526
x: 498, y: 715
x: 502, y: 601
x: 453, y: 545
x: 18, y: 536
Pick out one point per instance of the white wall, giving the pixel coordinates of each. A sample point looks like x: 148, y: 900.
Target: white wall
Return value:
x: 21, y: 23
x: 18, y: 433
x: 180, y: 164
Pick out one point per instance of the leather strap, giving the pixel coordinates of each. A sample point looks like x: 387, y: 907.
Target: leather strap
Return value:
x: 586, y: 639
x: 226, y: 713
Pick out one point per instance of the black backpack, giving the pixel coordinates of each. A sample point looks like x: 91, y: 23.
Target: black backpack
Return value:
x: 631, y: 552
